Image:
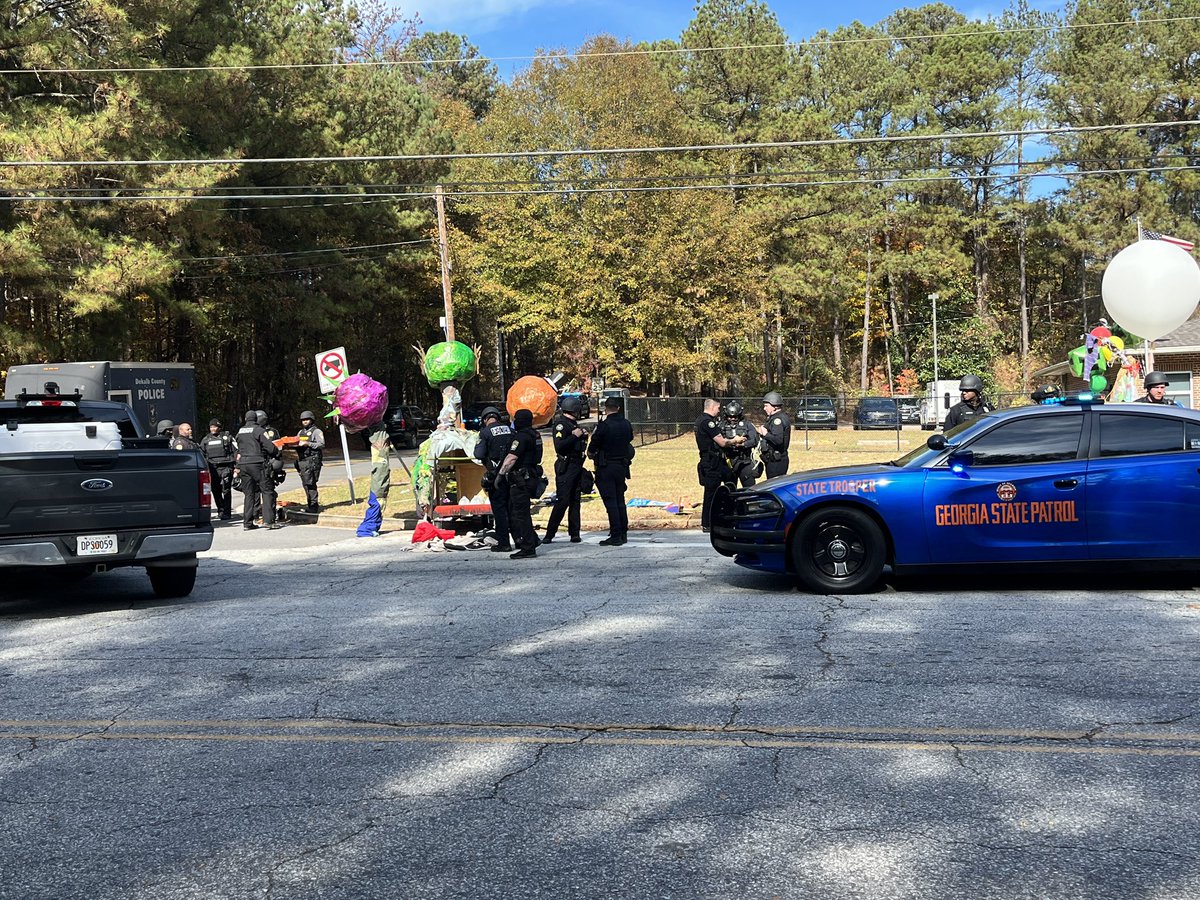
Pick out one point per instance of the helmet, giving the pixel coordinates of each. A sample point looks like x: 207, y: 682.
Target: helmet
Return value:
x: 308, y: 414
x: 1155, y: 378
x: 251, y: 417
x: 261, y: 417
x: 523, y: 418
x: 773, y: 397
x: 971, y: 383
x: 165, y: 425
x: 489, y: 412
x: 570, y: 405
x: 733, y: 409
x: 214, y: 421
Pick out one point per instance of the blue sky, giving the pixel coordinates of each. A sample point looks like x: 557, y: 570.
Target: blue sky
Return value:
x: 501, y: 28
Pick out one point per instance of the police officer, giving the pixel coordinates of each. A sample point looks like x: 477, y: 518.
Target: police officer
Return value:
x: 970, y: 406
x: 274, y: 466
x: 570, y: 443
x: 743, y: 438
x: 255, y: 453
x: 522, y: 468
x: 491, y: 449
x: 166, y: 428
x: 776, y: 435
x: 219, y: 451
x: 712, y: 468
x: 612, y: 451
x: 309, y: 455
x: 182, y: 439
x: 1156, y: 390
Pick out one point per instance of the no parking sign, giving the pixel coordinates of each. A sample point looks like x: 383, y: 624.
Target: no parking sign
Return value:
x: 331, y: 369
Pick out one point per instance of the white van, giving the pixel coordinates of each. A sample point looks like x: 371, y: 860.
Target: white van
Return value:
x: 939, y: 396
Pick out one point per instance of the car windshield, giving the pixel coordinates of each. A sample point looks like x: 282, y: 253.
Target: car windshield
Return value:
x: 878, y: 403
x: 819, y: 403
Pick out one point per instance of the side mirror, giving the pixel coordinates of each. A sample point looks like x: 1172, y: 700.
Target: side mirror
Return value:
x: 936, y: 442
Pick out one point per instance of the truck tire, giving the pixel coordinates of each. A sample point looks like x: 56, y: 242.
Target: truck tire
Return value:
x: 172, y: 581
x: 838, y: 550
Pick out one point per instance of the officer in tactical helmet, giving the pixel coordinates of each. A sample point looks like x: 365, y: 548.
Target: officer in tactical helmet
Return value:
x: 971, y: 406
x: 275, y: 469
x: 495, y: 436
x: 255, y: 452
x: 166, y: 428
x: 219, y: 451
x: 742, y: 438
x: 776, y: 435
x: 1156, y: 390
x: 310, y: 453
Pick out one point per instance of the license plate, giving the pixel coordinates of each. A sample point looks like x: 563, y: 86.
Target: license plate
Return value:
x: 95, y: 544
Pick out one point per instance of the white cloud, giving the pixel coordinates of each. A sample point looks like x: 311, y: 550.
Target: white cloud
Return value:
x: 470, y: 16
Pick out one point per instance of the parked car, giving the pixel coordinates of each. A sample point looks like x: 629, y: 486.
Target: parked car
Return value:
x: 405, y: 425
x: 876, y: 412
x: 816, y: 412
x: 81, y: 493
x: 1047, y: 486
x: 472, y: 411
x: 910, y: 410
x: 585, y: 409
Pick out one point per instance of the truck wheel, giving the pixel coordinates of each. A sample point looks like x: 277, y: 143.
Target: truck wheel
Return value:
x: 838, y: 550
x: 172, y: 581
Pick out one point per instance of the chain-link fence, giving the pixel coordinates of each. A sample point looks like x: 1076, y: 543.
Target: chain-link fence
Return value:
x: 662, y: 418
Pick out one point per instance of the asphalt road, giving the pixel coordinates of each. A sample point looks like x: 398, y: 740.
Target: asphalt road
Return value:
x: 339, y: 718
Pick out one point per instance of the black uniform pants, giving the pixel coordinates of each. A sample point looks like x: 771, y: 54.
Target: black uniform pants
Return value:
x: 711, y: 480
x: 259, y: 484
x: 743, y: 470
x: 498, y: 496
x: 309, y: 468
x: 222, y: 489
x: 567, y: 487
x: 778, y: 467
x: 610, y: 482
x: 520, y: 513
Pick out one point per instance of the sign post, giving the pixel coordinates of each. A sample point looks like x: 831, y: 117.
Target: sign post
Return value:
x: 332, y: 370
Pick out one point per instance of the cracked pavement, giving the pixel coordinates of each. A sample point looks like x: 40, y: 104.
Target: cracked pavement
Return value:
x: 331, y: 717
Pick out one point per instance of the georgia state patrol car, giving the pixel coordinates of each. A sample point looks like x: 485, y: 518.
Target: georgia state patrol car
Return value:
x: 1063, y: 482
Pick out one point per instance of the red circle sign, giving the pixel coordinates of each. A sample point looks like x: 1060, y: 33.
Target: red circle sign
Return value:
x: 332, y: 366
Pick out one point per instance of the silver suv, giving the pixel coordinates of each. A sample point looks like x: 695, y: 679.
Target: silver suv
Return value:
x: 816, y: 412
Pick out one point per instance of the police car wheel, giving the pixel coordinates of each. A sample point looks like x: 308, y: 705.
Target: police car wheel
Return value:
x: 838, y: 551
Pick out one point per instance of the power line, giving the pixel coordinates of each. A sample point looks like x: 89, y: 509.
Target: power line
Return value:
x: 386, y: 196
x: 307, y: 252
x: 307, y: 189
x: 604, y: 151
x: 600, y: 54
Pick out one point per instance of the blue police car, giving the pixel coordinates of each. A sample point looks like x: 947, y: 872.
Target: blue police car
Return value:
x: 1065, y: 482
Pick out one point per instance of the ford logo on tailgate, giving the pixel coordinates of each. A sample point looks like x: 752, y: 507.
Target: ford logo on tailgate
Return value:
x: 96, y: 484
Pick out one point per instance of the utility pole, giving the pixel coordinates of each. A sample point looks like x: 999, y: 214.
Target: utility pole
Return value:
x: 934, y: 299
x: 445, y: 248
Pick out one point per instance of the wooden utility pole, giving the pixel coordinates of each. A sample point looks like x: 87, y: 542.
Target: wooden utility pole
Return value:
x: 445, y: 248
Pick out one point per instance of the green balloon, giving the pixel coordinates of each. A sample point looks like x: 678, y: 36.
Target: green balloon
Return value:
x: 449, y: 361
x: 1099, y: 383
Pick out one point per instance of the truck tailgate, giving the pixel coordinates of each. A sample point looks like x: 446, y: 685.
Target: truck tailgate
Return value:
x: 106, y: 491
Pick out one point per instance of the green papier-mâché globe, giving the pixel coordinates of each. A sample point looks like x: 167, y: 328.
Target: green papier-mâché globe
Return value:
x: 449, y: 361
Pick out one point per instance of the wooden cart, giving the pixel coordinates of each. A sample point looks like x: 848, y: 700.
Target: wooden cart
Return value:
x: 457, y: 479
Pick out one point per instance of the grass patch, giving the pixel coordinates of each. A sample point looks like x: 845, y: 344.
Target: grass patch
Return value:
x: 664, y: 471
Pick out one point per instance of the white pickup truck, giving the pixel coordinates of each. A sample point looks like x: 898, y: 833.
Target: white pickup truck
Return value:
x: 82, y: 492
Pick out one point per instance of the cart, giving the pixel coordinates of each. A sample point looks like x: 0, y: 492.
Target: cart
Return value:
x: 458, y: 479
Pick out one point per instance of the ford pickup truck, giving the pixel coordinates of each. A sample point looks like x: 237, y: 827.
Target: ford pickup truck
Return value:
x: 82, y: 492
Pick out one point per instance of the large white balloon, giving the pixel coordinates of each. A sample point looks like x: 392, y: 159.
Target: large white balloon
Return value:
x: 1151, y: 288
